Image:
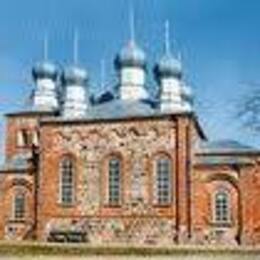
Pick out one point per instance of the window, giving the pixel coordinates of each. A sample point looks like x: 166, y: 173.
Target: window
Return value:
x: 35, y: 138
x: 221, y: 207
x: 114, y: 181
x: 23, y: 138
x: 163, y: 181
x: 19, y: 206
x: 66, y: 182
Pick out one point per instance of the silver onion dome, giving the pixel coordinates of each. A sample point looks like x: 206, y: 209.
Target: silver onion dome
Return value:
x: 168, y: 66
x: 131, y: 55
x: 45, y: 69
x: 75, y: 76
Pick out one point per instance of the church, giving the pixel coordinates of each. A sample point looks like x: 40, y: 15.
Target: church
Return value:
x: 125, y: 167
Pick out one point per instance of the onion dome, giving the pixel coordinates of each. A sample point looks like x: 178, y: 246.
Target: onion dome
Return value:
x: 45, y: 70
x: 75, y: 76
x: 168, y: 66
x: 131, y: 56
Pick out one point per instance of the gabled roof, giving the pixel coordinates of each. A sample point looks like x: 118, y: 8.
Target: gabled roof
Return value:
x: 211, y: 160
x: 120, y: 109
x: 32, y: 112
x: 117, y: 109
x: 225, y: 147
x: 225, y: 152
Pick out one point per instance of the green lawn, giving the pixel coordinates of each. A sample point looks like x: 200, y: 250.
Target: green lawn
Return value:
x: 193, y: 257
x: 63, y: 252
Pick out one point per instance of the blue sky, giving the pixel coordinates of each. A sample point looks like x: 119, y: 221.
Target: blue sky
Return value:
x: 219, y: 40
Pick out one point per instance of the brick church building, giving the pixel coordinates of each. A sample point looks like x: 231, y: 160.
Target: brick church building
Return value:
x: 126, y: 166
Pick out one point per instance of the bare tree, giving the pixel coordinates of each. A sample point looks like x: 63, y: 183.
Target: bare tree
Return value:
x: 248, y: 110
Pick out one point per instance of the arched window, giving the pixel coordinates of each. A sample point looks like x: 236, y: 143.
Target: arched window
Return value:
x: 66, y: 182
x: 35, y: 138
x: 163, y: 181
x: 19, y: 206
x: 23, y: 138
x: 221, y: 206
x: 114, y: 181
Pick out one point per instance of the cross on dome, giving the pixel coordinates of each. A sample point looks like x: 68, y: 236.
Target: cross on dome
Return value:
x: 168, y: 65
x: 131, y: 55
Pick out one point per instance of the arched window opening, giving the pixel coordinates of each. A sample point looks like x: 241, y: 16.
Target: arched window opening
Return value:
x: 67, y: 182
x: 35, y: 138
x: 163, y: 181
x: 222, y: 207
x: 19, y: 206
x: 23, y: 138
x: 114, y: 181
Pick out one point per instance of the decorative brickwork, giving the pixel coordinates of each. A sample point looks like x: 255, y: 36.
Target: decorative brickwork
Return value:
x: 138, y: 218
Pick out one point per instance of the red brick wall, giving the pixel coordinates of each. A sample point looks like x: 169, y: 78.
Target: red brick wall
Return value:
x: 15, y: 124
x: 11, y: 183
x: 137, y: 140
x: 206, y: 182
x: 243, y: 184
x: 13, y: 180
x: 188, y: 218
x: 250, y: 187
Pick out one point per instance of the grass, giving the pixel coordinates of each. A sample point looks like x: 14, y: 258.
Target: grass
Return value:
x: 43, y: 249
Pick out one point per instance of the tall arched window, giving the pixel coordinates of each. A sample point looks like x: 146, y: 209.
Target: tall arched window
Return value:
x: 163, y: 180
x: 114, y: 181
x: 221, y: 207
x: 19, y: 206
x: 67, y: 181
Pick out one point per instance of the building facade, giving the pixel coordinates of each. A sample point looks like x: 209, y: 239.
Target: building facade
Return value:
x: 128, y: 168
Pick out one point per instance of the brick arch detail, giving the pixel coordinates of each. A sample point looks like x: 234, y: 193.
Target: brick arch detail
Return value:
x: 18, y: 182
x: 234, y: 182
x: 219, y: 176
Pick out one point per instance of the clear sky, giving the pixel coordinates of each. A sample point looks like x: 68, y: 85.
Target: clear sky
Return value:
x: 219, y: 40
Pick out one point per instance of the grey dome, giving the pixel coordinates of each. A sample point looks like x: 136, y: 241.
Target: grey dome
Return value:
x: 74, y: 76
x: 45, y: 70
x: 168, y: 66
x: 131, y: 55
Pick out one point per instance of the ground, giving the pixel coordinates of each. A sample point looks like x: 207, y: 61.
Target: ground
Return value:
x: 189, y: 257
x: 30, y: 251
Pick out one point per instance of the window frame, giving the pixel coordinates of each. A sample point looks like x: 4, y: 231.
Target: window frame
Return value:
x: 166, y: 185
x: 35, y: 136
x: 71, y: 185
x: 112, y: 202
x: 226, y: 218
x: 23, y: 138
x: 15, y: 216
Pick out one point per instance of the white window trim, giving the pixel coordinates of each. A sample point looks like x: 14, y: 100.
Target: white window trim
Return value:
x: 214, y: 217
x: 60, y: 200
x: 109, y: 201
x: 155, y: 185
